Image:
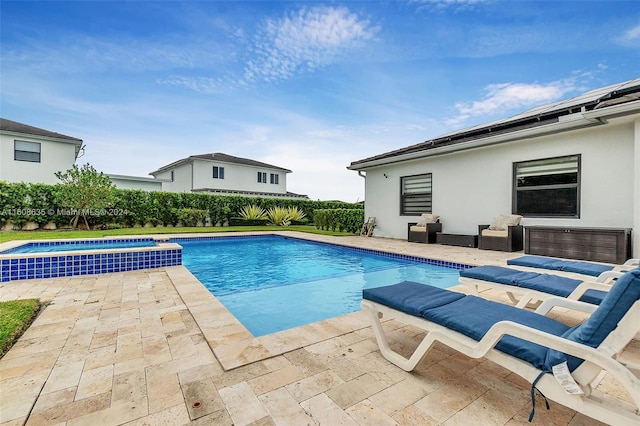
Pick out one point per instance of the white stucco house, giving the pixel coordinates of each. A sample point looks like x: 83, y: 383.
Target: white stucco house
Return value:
x: 224, y: 174
x: 570, y: 165
x: 34, y: 155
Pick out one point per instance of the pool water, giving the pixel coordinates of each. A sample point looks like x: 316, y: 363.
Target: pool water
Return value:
x: 274, y: 283
x: 55, y: 246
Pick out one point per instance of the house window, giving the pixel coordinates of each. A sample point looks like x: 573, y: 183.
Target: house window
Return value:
x: 274, y: 178
x: 548, y: 187
x: 26, y: 151
x: 415, y: 197
x: 172, y: 175
x: 218, y: 172
x: 262, y: 177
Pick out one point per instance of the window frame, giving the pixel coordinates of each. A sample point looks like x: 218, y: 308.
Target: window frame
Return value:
x: 22, y: 151
x: 262, y: 177
x: 218, y: 172
x: 577, y: 186
x: 274, y: 178
x: 404, y: 197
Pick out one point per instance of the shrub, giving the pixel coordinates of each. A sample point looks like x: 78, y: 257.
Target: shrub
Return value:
x: 253, y: 212
x: 191, y: 217
x: 278, y: 216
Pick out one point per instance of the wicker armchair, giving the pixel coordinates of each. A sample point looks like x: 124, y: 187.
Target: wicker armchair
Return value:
x: 424, y: 232
x: 504, y: 234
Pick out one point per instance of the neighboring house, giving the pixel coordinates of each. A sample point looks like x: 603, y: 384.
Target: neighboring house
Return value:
x: 225, y: 174
x: 573, y: 163
x: 34, y: 155
x: 135, y: 182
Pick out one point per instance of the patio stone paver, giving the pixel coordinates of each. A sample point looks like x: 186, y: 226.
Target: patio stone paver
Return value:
x: 154, y: 347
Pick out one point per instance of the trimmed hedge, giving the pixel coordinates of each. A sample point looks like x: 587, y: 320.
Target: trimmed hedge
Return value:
x: 343, y: 220
x: 24, y: 202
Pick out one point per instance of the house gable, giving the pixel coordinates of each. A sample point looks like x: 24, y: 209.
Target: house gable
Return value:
x: 31, y: 154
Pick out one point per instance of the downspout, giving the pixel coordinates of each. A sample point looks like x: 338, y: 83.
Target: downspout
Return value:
x: 361, y: 175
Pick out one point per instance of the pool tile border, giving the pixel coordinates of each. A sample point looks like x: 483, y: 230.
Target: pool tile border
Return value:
x: 429, y: 261
x: 54, y: 265
x: 101, y: 241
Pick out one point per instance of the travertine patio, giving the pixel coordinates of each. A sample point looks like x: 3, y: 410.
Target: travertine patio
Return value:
x: 154, y: 347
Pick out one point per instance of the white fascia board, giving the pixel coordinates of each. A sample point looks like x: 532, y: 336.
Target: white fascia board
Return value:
x: 627, y: 108
x: 549, y: 129
x: 44, y: 138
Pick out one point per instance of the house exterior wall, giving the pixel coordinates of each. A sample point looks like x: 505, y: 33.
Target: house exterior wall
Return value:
x: 471, y: 187
x: 182, y: 178
x: 144, y: 185
x: 55, y: 156
x: 237, y: 177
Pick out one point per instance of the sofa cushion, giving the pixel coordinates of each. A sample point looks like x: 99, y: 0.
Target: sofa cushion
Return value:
x: 491, y: 233
x: 416, y: 228
x: 503, y: 221
x: 427, y: 218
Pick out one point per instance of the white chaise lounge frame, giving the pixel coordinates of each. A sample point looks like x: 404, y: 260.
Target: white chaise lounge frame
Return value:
x: 600, y: 407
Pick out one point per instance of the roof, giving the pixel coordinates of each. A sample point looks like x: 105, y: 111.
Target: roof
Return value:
x: 545, y: 115
x: 11, y: 126
x: 136, y: 178
x: 222, y: 158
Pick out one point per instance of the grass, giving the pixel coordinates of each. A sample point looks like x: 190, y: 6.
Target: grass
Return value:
x: 15, y: 317
x: 47, y: 235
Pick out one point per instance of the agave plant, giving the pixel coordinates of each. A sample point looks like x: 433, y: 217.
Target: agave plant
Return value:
x: 253, y: 212
x: 295, y: 214
x: 278, y: 216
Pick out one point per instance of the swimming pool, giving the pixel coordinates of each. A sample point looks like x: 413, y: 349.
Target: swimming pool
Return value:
x: 273, y: 283
x: 55, y: 246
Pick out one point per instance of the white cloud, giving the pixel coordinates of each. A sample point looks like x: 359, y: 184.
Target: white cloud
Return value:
x: 631, y: 36
x: 504, y: 97
x: 305, y: 40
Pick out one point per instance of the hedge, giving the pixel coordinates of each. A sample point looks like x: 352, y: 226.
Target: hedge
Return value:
x: 40, y: 203
x: 342, y: 219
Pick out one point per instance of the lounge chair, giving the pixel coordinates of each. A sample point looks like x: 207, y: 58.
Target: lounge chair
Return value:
x: 425, y: 230
x: 579, y: 267
x: 503, y: 234
x: 527, y: 343
x: 536, y: 286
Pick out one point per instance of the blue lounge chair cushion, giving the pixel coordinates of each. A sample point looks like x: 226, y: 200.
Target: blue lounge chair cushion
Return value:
x: 561, y: 286
x: 411, y: 297
x: 623, y: 294
x: 474, y: 316
x: 468, y: 315
x: 497, y: 274
x: 579, y: 267
x: 546, y: 283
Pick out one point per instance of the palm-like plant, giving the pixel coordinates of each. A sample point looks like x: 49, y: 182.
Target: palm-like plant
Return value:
x: 253, y: 212
x: 295, y: 214
x: 278, y: 216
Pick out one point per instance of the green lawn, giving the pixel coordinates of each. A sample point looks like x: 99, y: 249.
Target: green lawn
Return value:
x: 15, y: 318
x: 46, y: 235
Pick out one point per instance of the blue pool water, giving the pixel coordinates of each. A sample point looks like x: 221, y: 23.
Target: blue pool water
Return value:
x: 55, y: 246
x: 274, y: 283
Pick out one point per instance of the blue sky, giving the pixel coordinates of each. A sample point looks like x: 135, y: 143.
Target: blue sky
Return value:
x: 309, y: 86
